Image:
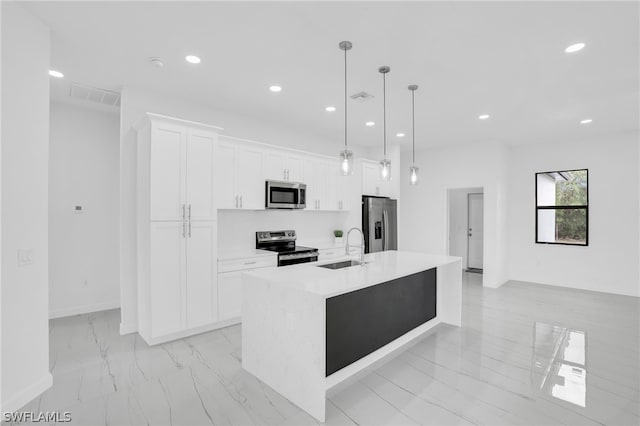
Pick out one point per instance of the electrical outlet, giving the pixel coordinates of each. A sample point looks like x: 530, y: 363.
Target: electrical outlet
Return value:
x: 25, y: 257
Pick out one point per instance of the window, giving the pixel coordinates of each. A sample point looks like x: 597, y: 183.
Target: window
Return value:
x: 562, y: 207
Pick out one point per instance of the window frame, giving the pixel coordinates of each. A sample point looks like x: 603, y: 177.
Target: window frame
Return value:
x: 574, y: 207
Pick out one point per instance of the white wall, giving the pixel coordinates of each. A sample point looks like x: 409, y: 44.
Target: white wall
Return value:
x: 83, y: 248
x: 25, y: 151
x: 135, y: 103
x: 459, y: 221
x: 610, y: 262
x: 423, y: 224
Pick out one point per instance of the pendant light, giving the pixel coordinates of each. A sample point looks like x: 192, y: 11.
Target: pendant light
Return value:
x: 413, y: 170
x: 385, y: 165
x: 346, y: 156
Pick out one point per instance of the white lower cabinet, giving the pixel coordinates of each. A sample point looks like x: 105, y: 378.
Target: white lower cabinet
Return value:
x: 201, y: 268
x: 230, y: 282
x: 229, y: 295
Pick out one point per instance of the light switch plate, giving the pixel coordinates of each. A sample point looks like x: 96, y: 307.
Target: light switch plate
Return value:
x: 25, y: 257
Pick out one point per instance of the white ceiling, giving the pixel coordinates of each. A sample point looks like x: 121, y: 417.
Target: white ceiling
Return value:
x: 506, y: 59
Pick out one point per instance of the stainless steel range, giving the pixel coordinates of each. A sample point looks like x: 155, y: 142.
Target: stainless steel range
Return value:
x: 284, y: 243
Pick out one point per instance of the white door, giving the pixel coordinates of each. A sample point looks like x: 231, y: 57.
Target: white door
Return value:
x: 167, y: 276
x: 326, y: 182
x: 229, y: 295
x: 309, y: 168
x: 225, y: 175
x: 476, y: 232
x: 201, y: 273
x: 371, y: 182
x: 275, y: 166
x: 295, y: 169
x: 200, y: 175
x: 251, y: 182
x: 167, y: 171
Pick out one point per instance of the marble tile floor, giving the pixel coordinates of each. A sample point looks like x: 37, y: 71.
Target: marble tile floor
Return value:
x: 526, y: 354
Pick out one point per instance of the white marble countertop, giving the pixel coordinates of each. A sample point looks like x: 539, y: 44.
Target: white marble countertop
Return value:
x: 244, y: 254
x: 380, y: 267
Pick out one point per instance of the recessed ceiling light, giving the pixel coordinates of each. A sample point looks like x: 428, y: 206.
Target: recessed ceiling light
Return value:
x: 275, y: 88
x: 483, y: 116
x: 330, y: 109
x: 369, y: 123
x: 400, y: 135
x: 192, y: 59
x: 56, y: 74
x: 586, y: 121
x: 574, y: 47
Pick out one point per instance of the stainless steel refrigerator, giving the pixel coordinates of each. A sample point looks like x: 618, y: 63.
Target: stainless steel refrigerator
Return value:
x: 380, y: 224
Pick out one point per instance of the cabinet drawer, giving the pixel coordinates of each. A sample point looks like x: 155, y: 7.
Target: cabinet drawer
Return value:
x: 230, y: 265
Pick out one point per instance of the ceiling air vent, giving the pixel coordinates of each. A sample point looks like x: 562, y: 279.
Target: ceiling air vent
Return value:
x: 94, y: 94
x: 361, y: 96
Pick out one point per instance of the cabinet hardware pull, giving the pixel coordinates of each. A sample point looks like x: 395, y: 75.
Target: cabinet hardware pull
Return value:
x: 249, y: 263
x: 241, y: 201
x: 189, y: 229
x: 189, y: 212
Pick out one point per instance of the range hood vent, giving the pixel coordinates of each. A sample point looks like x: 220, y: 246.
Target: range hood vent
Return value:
x: 362, y: 97
x: 94, y: 94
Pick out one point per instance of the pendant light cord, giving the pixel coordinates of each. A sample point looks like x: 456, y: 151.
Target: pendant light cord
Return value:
x: 345, y: 99
x: 413, y: 124
x: 384, y: 113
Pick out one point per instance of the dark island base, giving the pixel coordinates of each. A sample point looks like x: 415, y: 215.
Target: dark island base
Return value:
x: 362, y: 321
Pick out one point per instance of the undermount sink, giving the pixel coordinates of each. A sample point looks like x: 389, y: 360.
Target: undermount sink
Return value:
x: 340, y: 265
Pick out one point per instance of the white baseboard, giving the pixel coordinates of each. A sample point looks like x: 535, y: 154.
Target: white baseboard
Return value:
x: 127, y: 328
x: 19, y: 400
x: 85, y: 309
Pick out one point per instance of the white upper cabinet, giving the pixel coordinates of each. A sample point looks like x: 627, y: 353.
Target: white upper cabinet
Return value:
x: 283, y: 166
x: 167, y: 171
x: 200, y: 181
x: 240, y: 175
x: 225, y: 171
x: 372, y: 183
x: 181, y: 166
x: 250, y: 177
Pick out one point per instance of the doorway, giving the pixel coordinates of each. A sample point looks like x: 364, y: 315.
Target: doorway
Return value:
x: 466, y: 230
x: 475, y: 236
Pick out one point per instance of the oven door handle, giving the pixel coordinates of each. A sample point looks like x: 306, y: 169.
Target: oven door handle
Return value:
x: 298, y: 255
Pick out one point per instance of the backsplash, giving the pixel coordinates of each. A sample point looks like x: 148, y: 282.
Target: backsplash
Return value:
x: 237, y: 228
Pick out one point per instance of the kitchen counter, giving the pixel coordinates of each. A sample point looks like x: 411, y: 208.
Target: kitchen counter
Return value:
x: 306, y: 329
x: 378, y: 268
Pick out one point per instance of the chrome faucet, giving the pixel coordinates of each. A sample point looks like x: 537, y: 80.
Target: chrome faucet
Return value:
x: 361, y: 245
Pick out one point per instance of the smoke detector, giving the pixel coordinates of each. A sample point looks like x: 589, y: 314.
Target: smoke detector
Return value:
x: 156, y: 62
x: 362, y: 96
x: 94, y: 94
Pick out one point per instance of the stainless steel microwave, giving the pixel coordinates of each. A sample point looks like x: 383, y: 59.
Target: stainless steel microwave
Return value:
x: 285, y: 195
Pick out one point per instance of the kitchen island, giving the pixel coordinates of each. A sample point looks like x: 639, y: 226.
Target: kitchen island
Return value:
x: 307, y: 328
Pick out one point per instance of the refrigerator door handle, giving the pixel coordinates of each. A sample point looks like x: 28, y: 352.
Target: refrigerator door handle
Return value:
x: 385, y: 229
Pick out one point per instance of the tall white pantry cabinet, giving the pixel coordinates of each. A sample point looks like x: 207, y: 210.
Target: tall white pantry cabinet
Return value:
x: 176, y: 228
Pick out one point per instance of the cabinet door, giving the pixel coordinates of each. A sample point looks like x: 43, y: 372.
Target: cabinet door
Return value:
x: 229, y: 295
x: 349, y: 195
x: 295, y: 168
x: 225, y: 175
x: 200, y: 175
x: 309, y: 171
x: 167, y: 171
x: 201, y: 273
x: 372, y: 184
x: 327, y: 183
x: 167, y: 276
x: 275, y: 166
x: 251, y: 182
